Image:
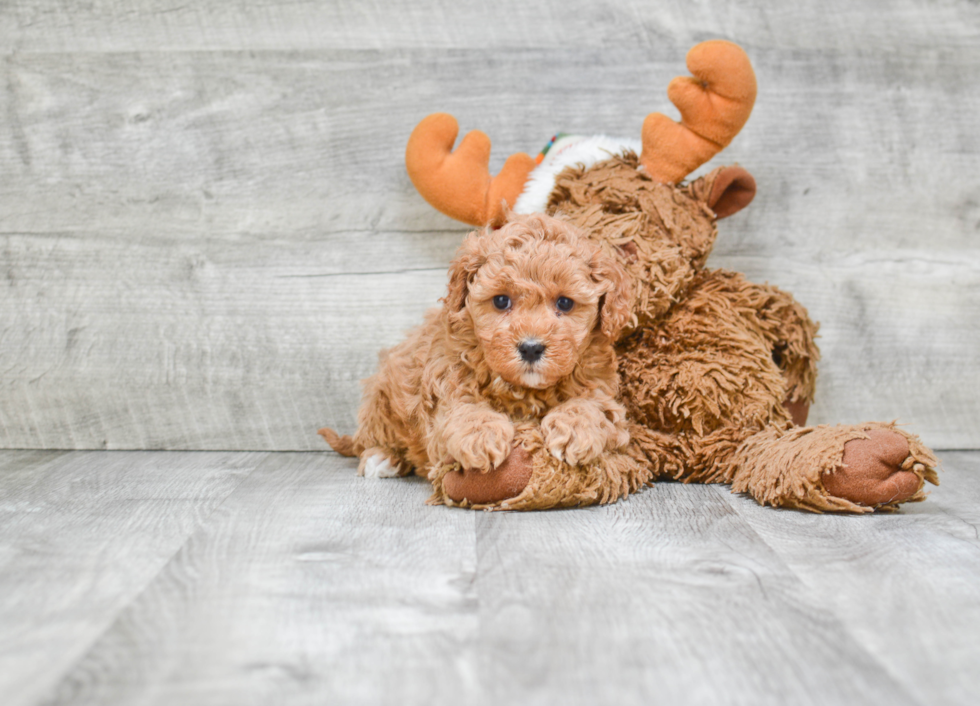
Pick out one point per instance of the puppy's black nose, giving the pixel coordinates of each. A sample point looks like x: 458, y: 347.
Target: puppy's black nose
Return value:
x: 531, y: 350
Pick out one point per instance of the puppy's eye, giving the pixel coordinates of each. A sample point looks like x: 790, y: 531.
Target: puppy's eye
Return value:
x: 564, y: 304
x: 501, y: 302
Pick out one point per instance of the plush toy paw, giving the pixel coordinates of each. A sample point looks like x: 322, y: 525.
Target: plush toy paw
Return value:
x: 505, y: 481
x: 875, y: 471
x: 483, y: 443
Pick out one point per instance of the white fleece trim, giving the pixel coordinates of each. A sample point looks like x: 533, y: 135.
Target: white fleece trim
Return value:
x: 569, y: 150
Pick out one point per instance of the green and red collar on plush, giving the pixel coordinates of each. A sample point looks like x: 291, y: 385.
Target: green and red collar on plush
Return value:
x: 547, y: 147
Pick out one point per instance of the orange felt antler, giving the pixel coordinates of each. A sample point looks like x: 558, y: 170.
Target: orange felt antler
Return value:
x: 714, y: 103
x: 459, y: 183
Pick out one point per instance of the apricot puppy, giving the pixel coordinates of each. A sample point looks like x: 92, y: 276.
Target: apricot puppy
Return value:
x: 525, y: 335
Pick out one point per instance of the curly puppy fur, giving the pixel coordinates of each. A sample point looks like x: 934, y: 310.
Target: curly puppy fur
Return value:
x: 525, y: 336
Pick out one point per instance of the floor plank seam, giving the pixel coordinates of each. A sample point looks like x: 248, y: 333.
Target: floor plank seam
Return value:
x: 975, y: 528
x: 84, y: 652
x: 815, y: 594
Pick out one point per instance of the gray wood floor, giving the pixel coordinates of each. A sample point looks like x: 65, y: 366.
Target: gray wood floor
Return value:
x: 257, y: 578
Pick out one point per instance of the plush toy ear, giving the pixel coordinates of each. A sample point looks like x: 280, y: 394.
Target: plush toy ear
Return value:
x: 726, y: 190
x: 469, y: 258
x: 616, y: 305
x: 732, y: 191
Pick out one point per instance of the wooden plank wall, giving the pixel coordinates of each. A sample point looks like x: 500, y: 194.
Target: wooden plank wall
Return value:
x: 207, y: 232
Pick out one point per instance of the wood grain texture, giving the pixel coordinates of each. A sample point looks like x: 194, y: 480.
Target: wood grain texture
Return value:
x: 850, y: 150
x: 307, y: 24
x: 225, y: 578
x: 81, y: 535
x: 667, y: 598
x: 308, y: 585
x: 905, y: 585
x: 256, y: 348
x: 207, y: 232
x: 196, y: 345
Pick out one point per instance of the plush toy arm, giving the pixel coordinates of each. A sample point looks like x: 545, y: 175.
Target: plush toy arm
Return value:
x: 847, y: 468
x: 791, y: 332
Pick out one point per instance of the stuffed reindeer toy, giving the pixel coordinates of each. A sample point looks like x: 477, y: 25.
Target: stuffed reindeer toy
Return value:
x: 715, y: 373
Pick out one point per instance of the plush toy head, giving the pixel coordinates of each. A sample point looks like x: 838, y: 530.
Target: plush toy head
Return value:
x: 663, y: 233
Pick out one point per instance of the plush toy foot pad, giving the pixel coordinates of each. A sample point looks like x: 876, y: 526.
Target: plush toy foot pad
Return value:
x: 505, y: 481
x: 872, y: 473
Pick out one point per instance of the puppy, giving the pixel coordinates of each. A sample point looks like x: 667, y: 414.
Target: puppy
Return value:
x: 525, y: 334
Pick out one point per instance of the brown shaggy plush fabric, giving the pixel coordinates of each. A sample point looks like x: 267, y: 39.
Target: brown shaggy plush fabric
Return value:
x: 715, y: 372
x: 658, y: 231
x: 711, y: 357
x: 712, y: 363
x: 788, y: 467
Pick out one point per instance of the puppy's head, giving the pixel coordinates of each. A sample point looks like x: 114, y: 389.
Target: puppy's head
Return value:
x: 536, y: 294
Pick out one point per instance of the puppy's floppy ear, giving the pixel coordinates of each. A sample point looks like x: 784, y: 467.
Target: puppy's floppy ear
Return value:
x: 469, y: 258
x: 616, y: 305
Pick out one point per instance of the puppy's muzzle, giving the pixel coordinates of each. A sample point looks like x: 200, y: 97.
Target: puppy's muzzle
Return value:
x: 531, y: 350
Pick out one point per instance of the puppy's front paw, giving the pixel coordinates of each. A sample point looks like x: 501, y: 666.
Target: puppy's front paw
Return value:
x: 482, y: 442
x: 576, y: 435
